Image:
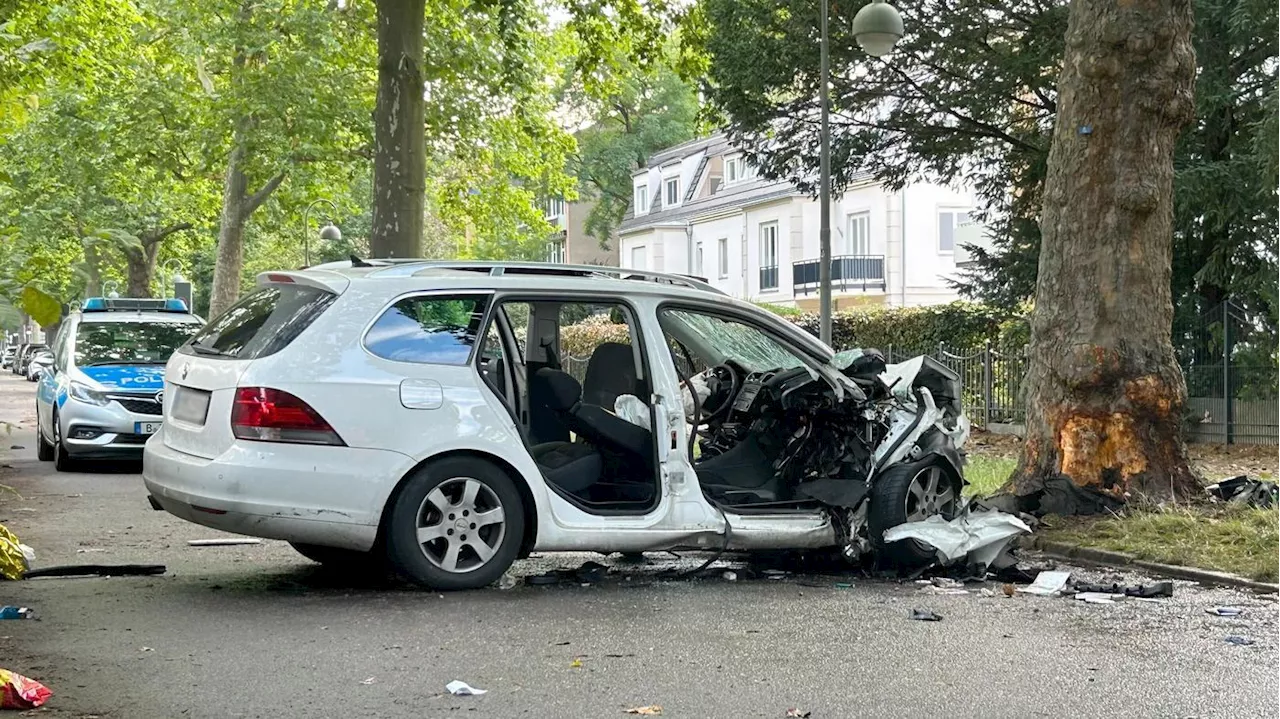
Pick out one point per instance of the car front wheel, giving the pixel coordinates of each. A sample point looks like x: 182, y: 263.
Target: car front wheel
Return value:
x: 456, y: 524
x: 910, y: 493
x: 61, y: 460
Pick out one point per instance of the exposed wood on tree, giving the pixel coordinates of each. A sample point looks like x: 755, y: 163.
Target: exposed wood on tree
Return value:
x: 399, y: 165
x: 1105, y: 396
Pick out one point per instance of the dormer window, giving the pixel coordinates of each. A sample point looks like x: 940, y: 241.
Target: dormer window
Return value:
x: 672, y: 196
x: 737, y: 170
x: 642, y: 199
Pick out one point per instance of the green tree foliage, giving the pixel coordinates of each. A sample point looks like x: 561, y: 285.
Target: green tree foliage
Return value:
x: 639, y: 111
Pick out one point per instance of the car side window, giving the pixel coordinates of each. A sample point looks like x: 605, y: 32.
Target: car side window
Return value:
x: 430, y: 329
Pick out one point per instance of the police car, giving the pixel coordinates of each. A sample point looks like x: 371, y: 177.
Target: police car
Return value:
x: 103, y: 396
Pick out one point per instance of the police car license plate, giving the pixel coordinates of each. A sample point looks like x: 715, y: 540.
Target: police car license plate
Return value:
x: 146, y: 427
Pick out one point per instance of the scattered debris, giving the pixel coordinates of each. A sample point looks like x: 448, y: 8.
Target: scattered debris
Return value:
x: 1147, y: 591
x: 843, y: 585
x: 19, y: 692
x: 1242, y: 490
x: 146, y: 649
x: 576, y: 663
x: 986, y: 592
x: 588, y: 573
x: 463, y: 689
x: 228, y: 542
x: 774, y: 573
x: 101, y: 570
x: 1098, y: 597
x: 652, y: 710
x: 369, y: 681
x: 924, y: 615
x: 506, y: 581
x: 1008, y: 590
x: 946, y: 583
x: 979, y: 537
x: 16, y: 446
x: 14, y: 558
x: 1217, y: 611
x: 802, y: 714
x: 1239, y: 641
x: 10, y: 612
x: 1047, y: 584
x: 730, y: 576
x: 89, y: 551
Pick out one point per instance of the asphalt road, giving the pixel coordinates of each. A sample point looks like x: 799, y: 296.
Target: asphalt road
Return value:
x: 258, y: 631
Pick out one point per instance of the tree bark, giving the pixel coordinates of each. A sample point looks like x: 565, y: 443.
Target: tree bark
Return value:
x: 1104, y: 392
x: 230, y: 260
x: 400, y: 161
x: 141, y: 262
x: 93, y: 268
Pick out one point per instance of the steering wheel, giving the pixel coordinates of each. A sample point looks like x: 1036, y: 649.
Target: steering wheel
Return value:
x: 724, y: 381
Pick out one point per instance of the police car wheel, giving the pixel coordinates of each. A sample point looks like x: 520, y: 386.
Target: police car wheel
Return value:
x: 44, y: 450
x: 61, y: 460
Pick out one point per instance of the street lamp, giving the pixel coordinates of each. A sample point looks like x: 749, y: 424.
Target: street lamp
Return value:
x: 877, y: 28
x: 329, y: 232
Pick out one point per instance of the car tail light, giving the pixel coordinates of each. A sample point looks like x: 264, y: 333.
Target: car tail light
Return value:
x: 263, y: 414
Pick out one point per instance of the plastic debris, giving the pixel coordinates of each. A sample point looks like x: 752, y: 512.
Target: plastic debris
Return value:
x: 979, y: 536
x: 507, y: 581
x: 1162, y: 588
x: 11, y: 612
x: 924, y: 615
x: 1242, y: 490
x: 228, y: 542
x: 13, y: 560
x: 463, y: 689
x: 986, y: 592
x: 102, y: 570
x: 802, y: 714
x: 1239, y: 641
x: 576, y: 663
x: 1098, y: 597
x: 19, y: 692
x: 1047, y: 584
x: 843, y: 585
x: 1217, y: 611
x: 652, y: 710
x: 369, y: 681
x: 730, y: 576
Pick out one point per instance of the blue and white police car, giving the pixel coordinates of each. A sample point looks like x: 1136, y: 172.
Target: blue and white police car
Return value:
x: 103, y: 396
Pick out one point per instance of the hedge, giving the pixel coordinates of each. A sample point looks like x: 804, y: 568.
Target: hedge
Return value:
x: 959, y: 325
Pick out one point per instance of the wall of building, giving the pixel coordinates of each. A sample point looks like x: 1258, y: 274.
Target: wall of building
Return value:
x: 581, y: 248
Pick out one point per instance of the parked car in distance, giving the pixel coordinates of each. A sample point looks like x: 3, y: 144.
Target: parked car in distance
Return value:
x: 40, y: 361
x: 101, y: 397
x: 6, y: 357
x: 432, y: 415
x: 25, y: 353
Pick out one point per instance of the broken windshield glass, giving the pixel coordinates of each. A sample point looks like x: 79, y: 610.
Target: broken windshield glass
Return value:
x: 723, y: 339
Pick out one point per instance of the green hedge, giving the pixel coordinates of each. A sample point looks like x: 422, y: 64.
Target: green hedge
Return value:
x: 957, y: 325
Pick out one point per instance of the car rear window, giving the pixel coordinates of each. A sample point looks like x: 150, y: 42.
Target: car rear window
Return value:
x: 262, y: 323
x: 100, y: 343
x: 428, y: 330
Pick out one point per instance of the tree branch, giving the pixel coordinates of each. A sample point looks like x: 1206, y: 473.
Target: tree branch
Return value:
x: 256, y: 199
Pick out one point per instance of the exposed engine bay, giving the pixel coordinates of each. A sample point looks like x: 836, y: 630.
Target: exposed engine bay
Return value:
x: 879, y: 450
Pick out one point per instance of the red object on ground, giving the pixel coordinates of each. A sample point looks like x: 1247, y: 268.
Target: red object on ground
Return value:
x: 19, y: 692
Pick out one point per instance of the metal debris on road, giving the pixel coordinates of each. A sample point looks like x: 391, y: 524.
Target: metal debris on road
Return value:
x: 1098, y: 597
x: 1222, y: 611
x: 802, y: 714
x: 1246, y: 491
x: 19, y: 692
x: 10, y: 612
x: 369, y: 681
x: 507, y: 581
x: 924, y: 615
x: 977, y: 537
x: 1239, y: 641
x: 652, y: 710
x: 463, y: 689
x: 730, y: 576
x: 101, y: 570
x: 228, y: 542
x: 1154, y: 590
x: 1047, y: 584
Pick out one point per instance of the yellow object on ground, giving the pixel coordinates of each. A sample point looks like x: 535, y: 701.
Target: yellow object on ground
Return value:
x: 13, y: 563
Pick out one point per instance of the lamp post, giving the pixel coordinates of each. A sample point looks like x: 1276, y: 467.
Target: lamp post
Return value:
x: 877, y: 28
x: 329, y: 232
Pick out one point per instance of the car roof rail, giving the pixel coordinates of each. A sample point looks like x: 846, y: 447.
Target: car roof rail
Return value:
x: 411, y: 268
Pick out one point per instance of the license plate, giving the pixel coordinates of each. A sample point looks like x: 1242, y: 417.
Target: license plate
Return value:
x: 146, y: 427
x: 190, y: 405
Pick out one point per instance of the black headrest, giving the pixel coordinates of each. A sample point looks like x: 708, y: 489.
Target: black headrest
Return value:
x: 563, y: 391
x: 611, y: 371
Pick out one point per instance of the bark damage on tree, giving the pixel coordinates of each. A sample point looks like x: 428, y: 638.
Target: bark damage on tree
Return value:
x: 1104, y: 392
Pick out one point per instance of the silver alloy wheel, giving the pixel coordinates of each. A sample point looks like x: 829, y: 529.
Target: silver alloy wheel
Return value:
x: 930, y: 492
x: 461, y: 524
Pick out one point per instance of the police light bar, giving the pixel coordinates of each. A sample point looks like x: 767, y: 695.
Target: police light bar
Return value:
x: 135, y: 304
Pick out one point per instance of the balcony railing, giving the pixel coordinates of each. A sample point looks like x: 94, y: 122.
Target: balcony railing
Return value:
x: 769, y: 278
x: 848, y: 272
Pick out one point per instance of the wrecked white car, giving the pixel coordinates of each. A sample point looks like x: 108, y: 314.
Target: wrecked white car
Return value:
x: 451, y: 417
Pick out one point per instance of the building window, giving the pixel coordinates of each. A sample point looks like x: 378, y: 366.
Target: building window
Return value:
x: 737, y: 170
x: 673, y: 192
x: 642, y: 199
x: 857, y: 239
x: 723, y: 257
x: 639, y: 259
x: 769, y: 256
x: 555, y: 207
x: 555, y: 251
x: 948, y: 222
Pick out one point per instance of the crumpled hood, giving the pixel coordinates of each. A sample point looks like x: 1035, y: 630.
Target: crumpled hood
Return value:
x: 136, y: 378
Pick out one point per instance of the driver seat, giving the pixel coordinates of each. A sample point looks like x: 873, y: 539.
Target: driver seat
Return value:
x: 619, y: 443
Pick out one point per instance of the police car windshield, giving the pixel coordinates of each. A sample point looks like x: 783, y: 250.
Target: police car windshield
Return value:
x: 151, y: 342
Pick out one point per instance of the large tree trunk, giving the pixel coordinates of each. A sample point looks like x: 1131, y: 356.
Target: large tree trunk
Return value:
x: 141, y: 262
x: 230, y: 260
x: 1105, y: 394
x: 93, y: 270
x: 400, y: 161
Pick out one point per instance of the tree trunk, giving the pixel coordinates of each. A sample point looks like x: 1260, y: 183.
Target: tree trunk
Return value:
x: 400, y: 161
x: 1104, y: 392
x: 93, y: 268
x: 141, y: 263
x: 230, y: 260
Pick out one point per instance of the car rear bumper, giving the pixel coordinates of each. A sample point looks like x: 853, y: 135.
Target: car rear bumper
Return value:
x: 330, y: 496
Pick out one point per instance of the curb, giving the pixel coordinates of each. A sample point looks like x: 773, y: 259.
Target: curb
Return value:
x: 1120, y: 560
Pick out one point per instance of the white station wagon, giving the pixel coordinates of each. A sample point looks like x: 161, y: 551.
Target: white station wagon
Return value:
x: 451, y: 417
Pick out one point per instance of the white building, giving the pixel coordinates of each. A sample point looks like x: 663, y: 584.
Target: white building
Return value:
x: 699, y: 209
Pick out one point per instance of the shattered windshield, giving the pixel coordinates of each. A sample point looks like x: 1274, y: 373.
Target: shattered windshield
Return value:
x: 725, y: 339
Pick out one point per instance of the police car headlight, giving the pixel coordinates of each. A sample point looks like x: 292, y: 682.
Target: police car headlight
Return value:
x: 88, y: 395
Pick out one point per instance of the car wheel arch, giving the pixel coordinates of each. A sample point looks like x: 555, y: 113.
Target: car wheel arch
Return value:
x: 522, y: 485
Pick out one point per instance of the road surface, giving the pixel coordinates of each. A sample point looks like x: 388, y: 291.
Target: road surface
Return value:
x: 258, y: 631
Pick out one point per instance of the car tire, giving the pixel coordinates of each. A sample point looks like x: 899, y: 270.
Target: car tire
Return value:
x: 457, y: 523
x: 61, y: 460
x: 896, y: 499
x: 347, y: 560
x: 44, y: 450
